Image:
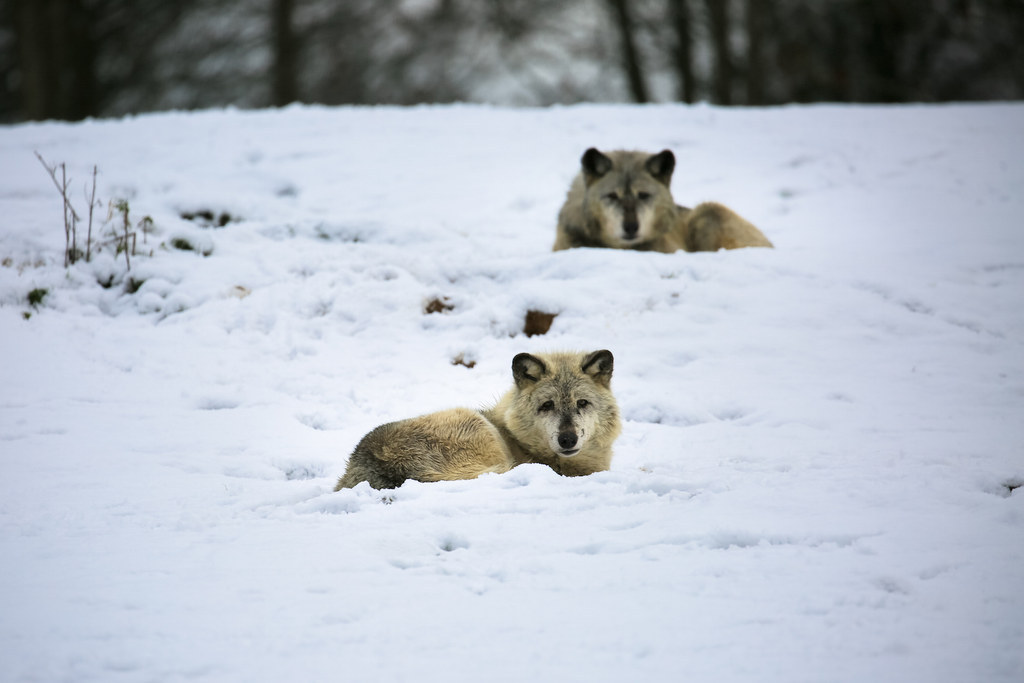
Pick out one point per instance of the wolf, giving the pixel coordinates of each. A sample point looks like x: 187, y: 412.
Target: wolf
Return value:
x: 622, y: 200
x: 559, y: 412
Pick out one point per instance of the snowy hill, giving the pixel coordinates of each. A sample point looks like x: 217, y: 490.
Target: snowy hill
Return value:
x: 817, y: 478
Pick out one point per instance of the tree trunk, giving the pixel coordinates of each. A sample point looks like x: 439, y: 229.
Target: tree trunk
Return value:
x: 756, y: 27
x: 630, y: 57
x: 285, y: 62
x: 57, y: 58
x: 681, y: 18
x: 718, y: 14
x: 80, y: 66
x: 37, y: 68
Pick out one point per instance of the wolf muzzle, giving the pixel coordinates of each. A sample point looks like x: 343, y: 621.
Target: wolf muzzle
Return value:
x: 630, y: 224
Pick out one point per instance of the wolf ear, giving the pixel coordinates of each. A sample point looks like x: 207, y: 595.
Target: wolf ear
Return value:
x: 595, y: 165
x: 661, y: 165
x: 599, y: 365
x: 527, y: 368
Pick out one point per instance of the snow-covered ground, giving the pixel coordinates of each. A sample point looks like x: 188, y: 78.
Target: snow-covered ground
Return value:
x: 817, y: 475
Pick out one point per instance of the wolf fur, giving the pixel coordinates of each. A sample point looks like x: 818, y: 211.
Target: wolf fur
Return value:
x: 559, y: 412
x: 622, y: 200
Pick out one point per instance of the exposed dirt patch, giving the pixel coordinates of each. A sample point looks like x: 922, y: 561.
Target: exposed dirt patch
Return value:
x: 538, y: 322
x: 463, y: 361
x: 442, y: 305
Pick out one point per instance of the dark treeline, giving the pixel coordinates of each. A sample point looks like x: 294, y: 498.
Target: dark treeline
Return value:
x: 69, y: 59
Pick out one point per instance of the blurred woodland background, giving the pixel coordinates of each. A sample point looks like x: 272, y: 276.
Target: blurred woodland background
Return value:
x: 71, y: 59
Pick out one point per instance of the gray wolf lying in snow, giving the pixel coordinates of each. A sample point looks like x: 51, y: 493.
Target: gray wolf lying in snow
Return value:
x: 559, y: 412
x: 622, y: 200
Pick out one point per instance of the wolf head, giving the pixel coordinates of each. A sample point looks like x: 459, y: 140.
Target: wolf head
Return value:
x: 627, y: 194
x: 563, y: 402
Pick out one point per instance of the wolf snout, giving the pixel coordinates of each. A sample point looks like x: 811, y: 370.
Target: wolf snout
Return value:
x: 630, y: 228
x: 567, y: 440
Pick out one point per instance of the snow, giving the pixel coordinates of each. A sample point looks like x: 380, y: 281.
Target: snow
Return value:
x: 822, y: 442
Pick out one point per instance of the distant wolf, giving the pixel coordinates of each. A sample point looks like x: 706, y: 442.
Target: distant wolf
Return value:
x: 622, y: 200
x: 560, y: 412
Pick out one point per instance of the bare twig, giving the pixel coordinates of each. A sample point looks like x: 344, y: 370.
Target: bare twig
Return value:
x: 73, y: 253
x: 127, y: 240
x: 92, y: 203
x: 122, y: 207
x: 67, y: 228
x: 70, y: 215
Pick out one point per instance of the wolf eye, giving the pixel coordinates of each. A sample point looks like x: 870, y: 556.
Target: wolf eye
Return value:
x: 546, y: 406
x: 612, y: 196
x: 582, y: 403
x: 643, y: 196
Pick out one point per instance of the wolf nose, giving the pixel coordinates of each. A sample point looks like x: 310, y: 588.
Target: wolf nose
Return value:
x: 630, y: 228
x: 567, y: 439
